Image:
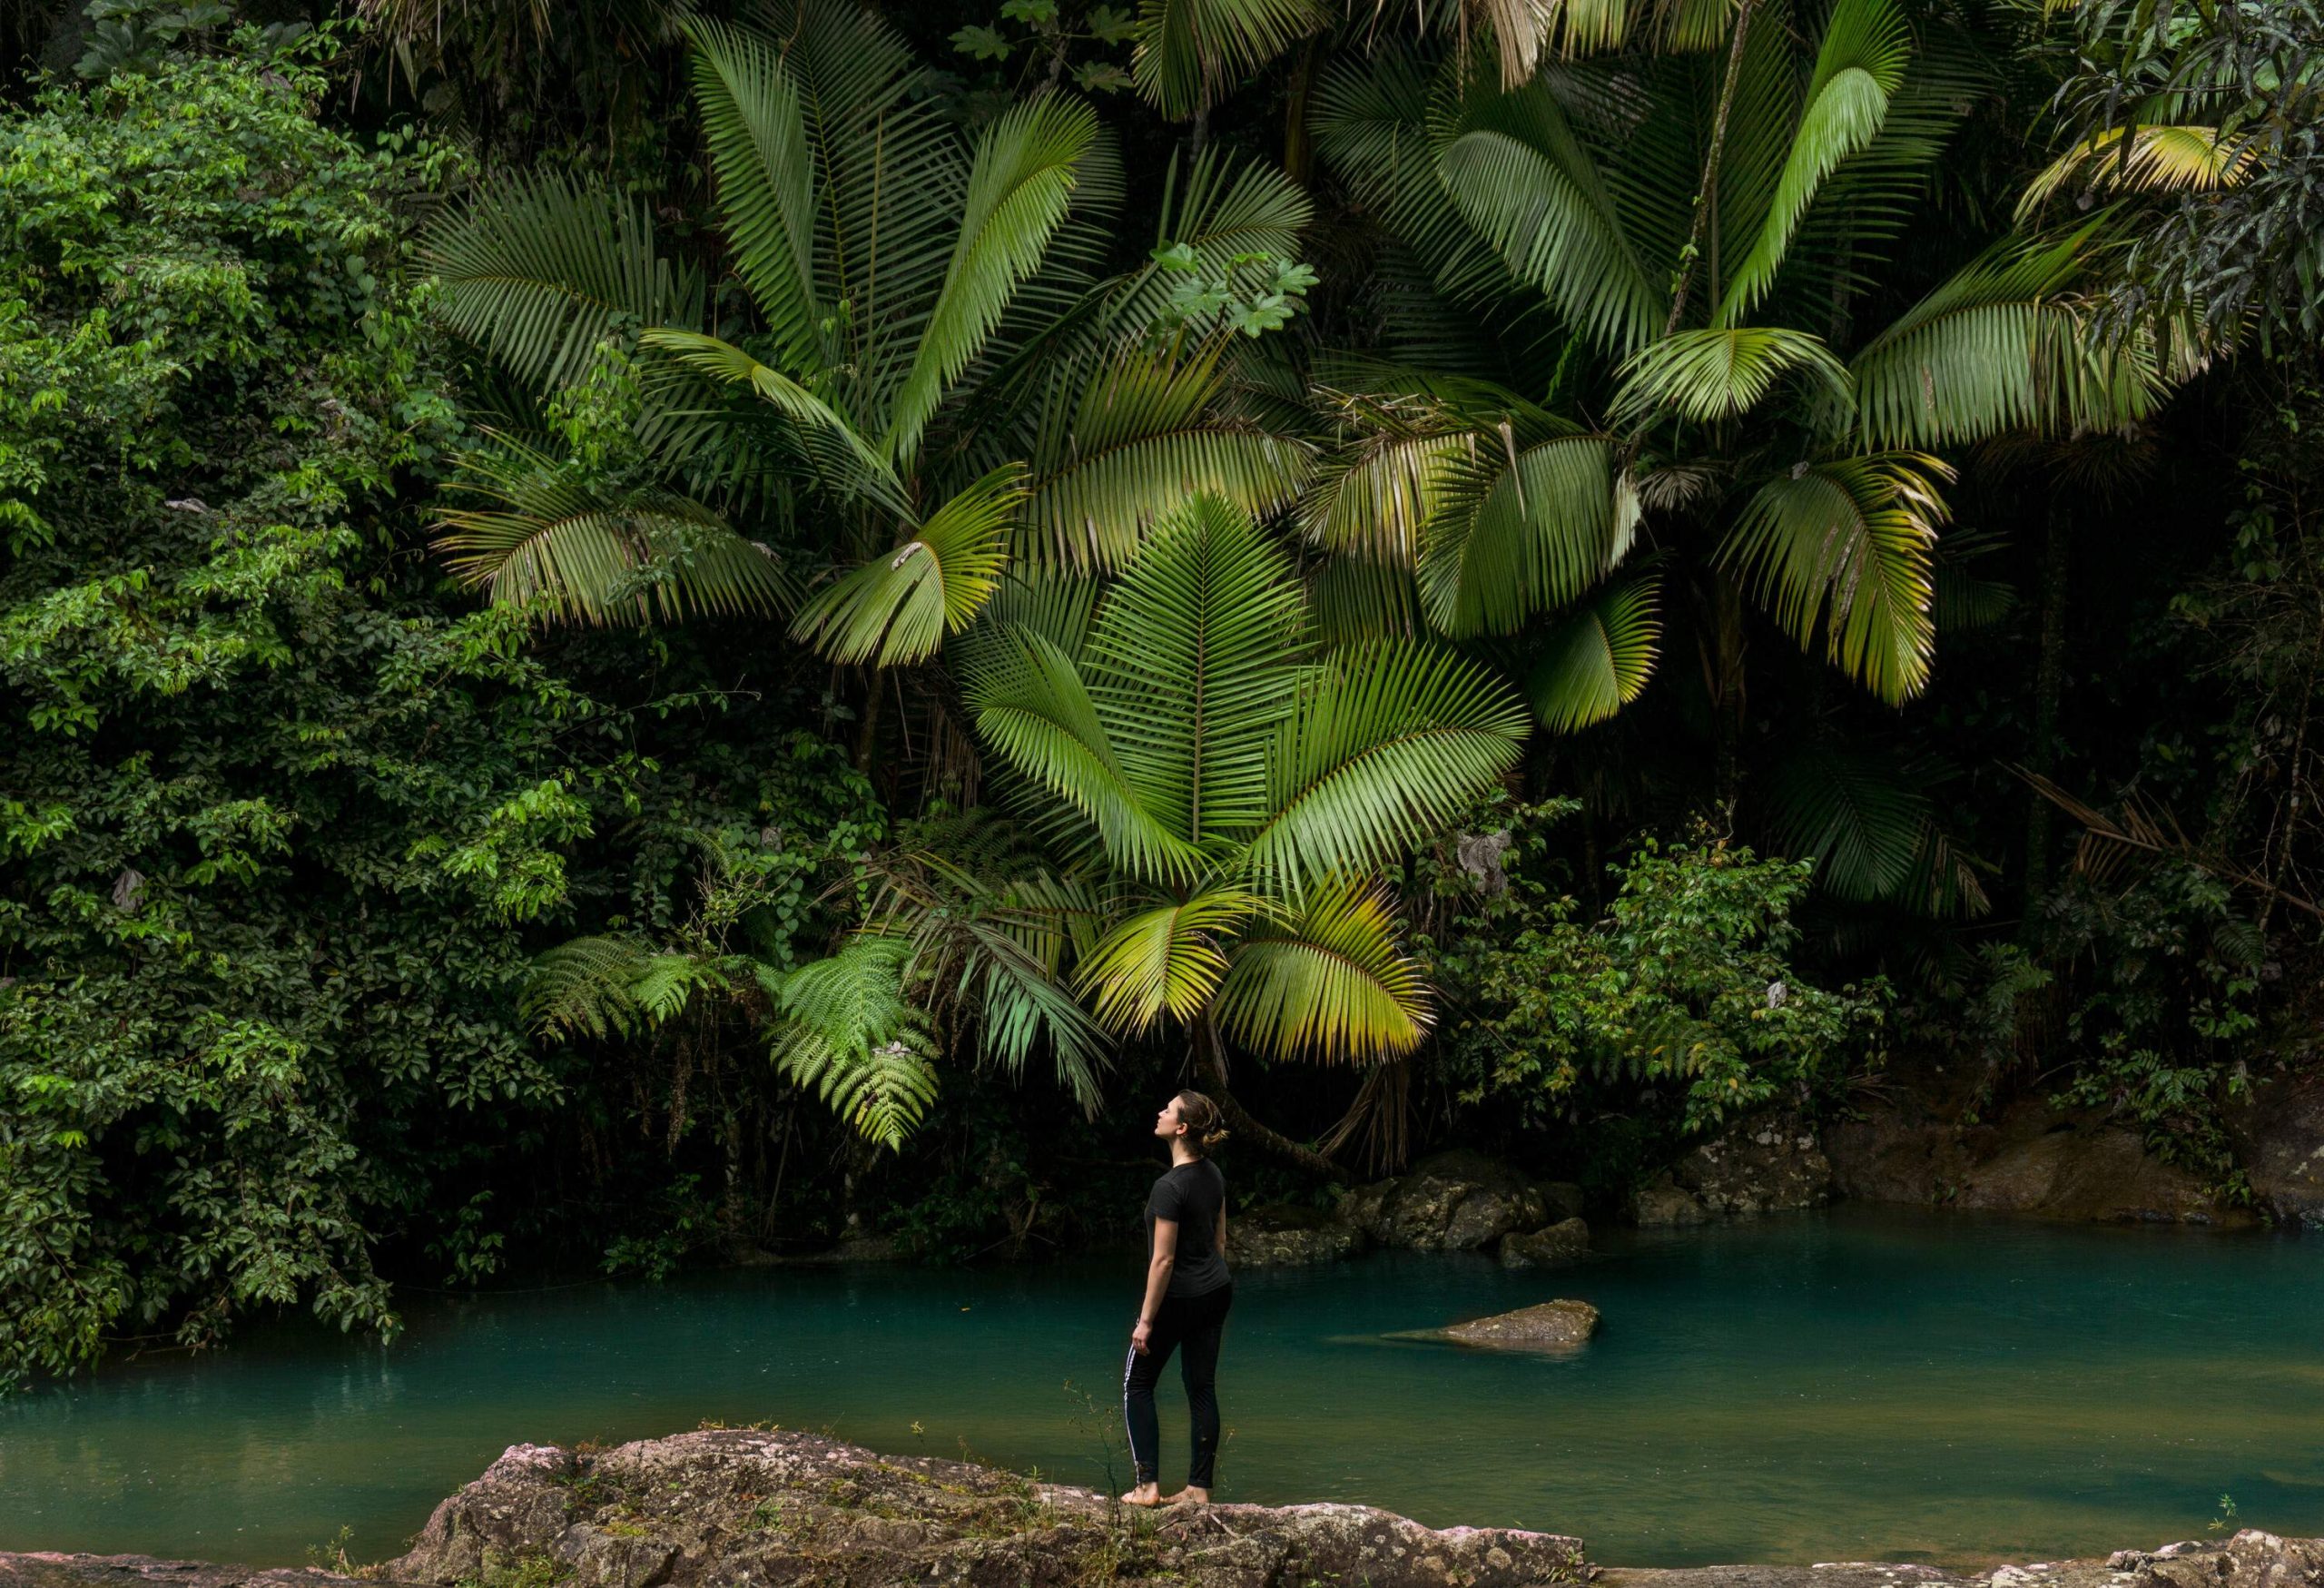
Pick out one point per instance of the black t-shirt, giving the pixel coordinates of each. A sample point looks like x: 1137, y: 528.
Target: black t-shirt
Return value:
x: 1191, y: 1195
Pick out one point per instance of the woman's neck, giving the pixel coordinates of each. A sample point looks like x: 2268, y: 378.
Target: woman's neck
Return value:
x: 1180, y: 1156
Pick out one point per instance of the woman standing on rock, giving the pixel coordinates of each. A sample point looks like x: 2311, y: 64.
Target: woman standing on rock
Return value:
x: 1187, y: 1293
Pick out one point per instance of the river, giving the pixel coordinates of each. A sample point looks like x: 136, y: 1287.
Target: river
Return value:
x: 1849, y: 1385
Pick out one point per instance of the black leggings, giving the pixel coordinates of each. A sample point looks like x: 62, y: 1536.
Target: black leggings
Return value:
x: 1192, y: 1324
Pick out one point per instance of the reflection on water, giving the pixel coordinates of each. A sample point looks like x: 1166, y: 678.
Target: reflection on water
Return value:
x: 1828, y: 1386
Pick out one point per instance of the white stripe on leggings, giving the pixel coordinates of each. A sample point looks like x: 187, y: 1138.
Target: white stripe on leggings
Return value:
x: 1129, y: 1429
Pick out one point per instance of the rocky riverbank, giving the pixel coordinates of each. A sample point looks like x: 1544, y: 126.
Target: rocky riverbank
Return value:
x: 748, y: 1508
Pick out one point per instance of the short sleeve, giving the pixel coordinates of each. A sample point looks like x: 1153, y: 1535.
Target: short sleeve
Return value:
x: 1168, y: 1202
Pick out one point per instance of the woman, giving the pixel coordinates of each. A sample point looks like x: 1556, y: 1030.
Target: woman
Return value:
x: 1187, y: 1293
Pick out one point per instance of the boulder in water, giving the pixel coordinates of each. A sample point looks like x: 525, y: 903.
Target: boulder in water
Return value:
x: 1562, y: 1242
x: 1555, y: 1327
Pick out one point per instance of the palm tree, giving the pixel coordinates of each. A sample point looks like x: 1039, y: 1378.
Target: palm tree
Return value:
x: 1682, y: 245
x: 935, y: 375
x: 1220, y: 792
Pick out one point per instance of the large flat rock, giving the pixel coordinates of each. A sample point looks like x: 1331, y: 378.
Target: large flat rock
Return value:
x: 731, y: 1507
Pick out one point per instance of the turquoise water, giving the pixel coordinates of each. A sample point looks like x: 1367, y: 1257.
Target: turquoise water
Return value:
x: 1821, y: 1387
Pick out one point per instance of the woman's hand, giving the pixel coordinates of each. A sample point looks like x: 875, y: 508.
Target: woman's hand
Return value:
x: 1139, y: 1334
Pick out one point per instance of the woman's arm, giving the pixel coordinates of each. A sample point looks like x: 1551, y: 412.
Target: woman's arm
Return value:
x: 1157, y: 1280
x: 1222, y: 1231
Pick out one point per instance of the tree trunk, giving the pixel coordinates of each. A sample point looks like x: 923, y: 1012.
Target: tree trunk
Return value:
x: 1210, y: 1064
x: 1706, y: 193
x: 2049, y: 684
x: 1298, y: 148
x: 867, y: 735
x: 1720, y: 647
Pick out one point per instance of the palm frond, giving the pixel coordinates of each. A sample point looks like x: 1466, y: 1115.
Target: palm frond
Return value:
x: 1371, y: 122
x: 556, y: 543
x: 1522, y: 532
x: 2000, y: 347
x: 1166, y: 960
x: 1019, y: 188
x: 1596, y: 658
x: 849, y: 463
x: 1389, y: 743
x: 1846, y: 545
x: 1145, y: 438
x: 757, y: 133
x: 1717, y: 373
x: 1331, y: 985
x: 1193, y: 665
x: 1854, y: 814
x: 2157, y: 159
x: 1961, y: 598
x: 1189, y: 52
x: 1374, y: 494
x: 1517, y: 174
x: 540, y: 269
x: 1033, y: 706
x: 1858, y: 66
x: 898, y: 607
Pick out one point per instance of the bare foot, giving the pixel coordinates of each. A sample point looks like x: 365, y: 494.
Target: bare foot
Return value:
x: 1189, y: 1495
x: 1144, y: 1494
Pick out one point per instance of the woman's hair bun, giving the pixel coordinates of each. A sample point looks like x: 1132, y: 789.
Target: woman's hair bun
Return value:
x: 1202, y: 1118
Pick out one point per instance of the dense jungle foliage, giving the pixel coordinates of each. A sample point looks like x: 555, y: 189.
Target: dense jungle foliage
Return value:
x: 669, y: 631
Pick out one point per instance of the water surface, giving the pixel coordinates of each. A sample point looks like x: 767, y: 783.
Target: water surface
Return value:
x: 1841, y: 1385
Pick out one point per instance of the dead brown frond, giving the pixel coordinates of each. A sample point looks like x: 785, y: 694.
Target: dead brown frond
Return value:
x: 2112, y: 845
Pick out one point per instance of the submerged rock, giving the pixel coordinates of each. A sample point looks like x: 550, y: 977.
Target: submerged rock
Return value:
x: 1558, y: 1243
x: 1278, y: 1235
x: 1453, y: 1201
x: 1555, y: 1326
x: 733, y: 1507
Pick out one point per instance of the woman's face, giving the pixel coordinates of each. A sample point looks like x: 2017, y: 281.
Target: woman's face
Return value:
x: 1167, y: 1123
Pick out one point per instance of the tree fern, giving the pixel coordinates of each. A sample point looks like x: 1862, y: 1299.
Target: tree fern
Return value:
x: 849, y: 1034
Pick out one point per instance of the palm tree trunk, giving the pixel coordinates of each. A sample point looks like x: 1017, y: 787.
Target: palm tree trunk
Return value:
x: 1210, y: 1065
x: 1706, y: 193
x: 867, y: 737
x: 1720, y: 648
x: 1298, y: 148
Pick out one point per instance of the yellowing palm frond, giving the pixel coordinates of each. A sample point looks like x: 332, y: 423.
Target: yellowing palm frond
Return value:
x: 1166, y: 960
x: 1846, y: 546
x: 899, y: 607
x: 1332, y: 984
x: 2159, y: 159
